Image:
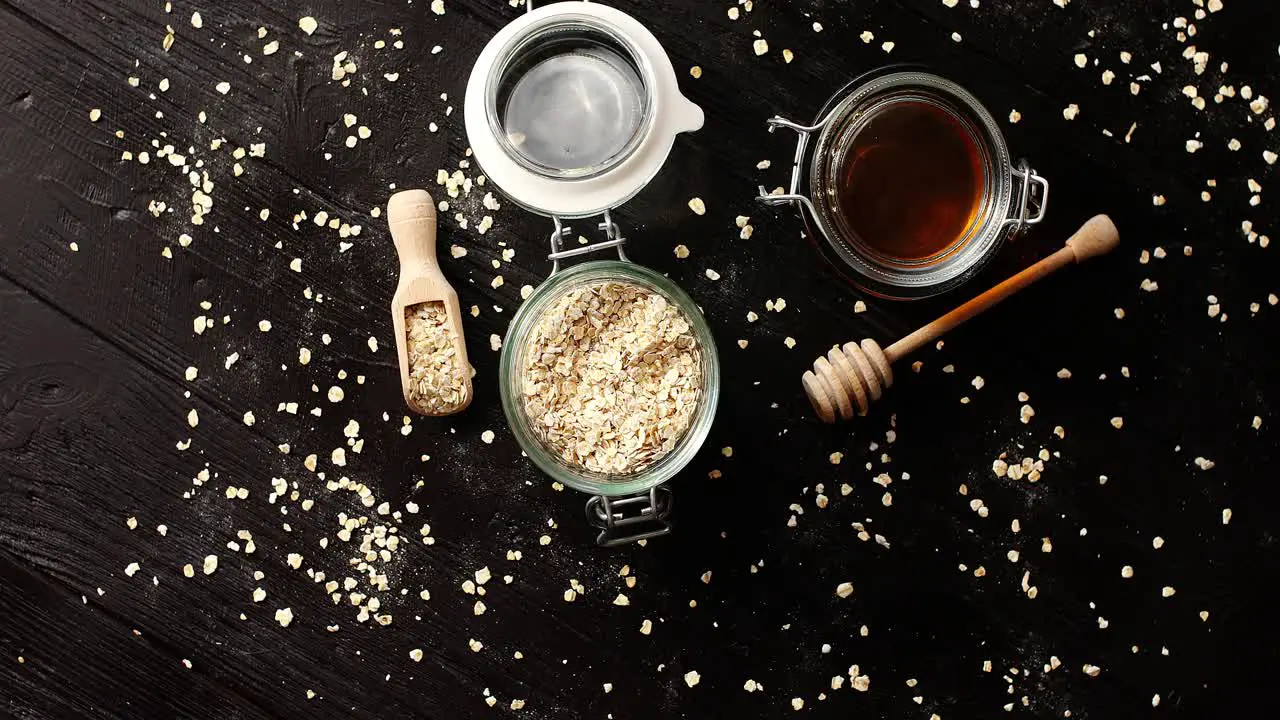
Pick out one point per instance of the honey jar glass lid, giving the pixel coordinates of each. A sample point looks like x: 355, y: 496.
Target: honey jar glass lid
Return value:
x: 573, y: 108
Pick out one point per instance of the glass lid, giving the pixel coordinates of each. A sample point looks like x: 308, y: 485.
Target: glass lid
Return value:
x: 573, y: 108
x: 571, y: 101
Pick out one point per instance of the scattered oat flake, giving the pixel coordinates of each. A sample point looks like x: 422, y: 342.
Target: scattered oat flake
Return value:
x: 308, y: 24
x: 698, y: 206
x: 692, y: 678
x: 761, y: 46
x: 844, y: 589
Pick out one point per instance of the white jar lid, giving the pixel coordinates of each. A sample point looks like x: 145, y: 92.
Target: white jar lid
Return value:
x: 573, y: 108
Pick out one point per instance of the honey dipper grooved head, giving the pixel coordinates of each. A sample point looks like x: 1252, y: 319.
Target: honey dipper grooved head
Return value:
x: 848, y: 378
x: 822, y: 403
x: 827, y: 373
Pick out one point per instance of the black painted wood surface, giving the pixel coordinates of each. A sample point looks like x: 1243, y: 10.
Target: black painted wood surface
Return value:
x: 94, y: 404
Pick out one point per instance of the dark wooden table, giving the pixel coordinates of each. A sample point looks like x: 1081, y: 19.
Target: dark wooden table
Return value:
x: 99, y: 297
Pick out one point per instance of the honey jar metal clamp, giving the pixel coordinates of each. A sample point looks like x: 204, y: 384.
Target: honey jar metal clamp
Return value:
x: 1014, y: 198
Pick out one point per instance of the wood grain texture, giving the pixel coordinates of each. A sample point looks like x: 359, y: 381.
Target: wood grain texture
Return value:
x: 93, y: 400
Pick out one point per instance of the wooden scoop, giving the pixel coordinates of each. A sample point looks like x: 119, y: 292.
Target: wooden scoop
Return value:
x: 849, y: 378
x: 412, y: 217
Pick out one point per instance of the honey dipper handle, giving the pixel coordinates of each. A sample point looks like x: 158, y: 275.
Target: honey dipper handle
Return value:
x: 411, y: 215
x: 1096, y: 237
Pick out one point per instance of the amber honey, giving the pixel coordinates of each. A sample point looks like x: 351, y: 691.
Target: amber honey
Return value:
x: 912, y: 181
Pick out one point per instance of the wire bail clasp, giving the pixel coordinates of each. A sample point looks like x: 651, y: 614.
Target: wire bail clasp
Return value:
x: 793, y: 196
x: 612, y: 232
x: 652, y: 508
x: 1028, y: 197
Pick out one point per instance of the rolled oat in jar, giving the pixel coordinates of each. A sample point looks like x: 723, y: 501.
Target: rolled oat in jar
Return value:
x: 612, y: 377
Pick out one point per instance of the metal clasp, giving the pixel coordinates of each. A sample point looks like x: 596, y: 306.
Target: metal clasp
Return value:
x: 1028, y: 198
x: 793, y: 195
x: 612, y: 517
x: 562, y: 231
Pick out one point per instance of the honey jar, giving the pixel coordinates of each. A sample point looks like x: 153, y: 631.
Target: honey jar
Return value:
x: 906, y: 184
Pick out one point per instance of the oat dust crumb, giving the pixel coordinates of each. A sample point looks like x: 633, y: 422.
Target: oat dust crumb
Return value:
x: 437, y: 383
x: 612, y: 377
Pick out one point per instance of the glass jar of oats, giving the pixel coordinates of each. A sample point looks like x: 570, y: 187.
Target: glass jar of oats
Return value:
x: 609, y: 374
x: 609, y: 380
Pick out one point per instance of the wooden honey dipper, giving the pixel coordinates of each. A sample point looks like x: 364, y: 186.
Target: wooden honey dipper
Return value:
x: 849, y: 378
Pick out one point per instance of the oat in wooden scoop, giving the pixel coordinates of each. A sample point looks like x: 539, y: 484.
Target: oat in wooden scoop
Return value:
x: 437, y: 384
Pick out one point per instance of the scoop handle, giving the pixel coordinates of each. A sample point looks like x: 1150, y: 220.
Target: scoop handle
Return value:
x: 411, y: 215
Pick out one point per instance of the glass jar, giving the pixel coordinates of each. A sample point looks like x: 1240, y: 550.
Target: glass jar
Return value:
x: 610, y: 490
x: 577, y: 128
x: 571, y: 110
x: 1009, y: 196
